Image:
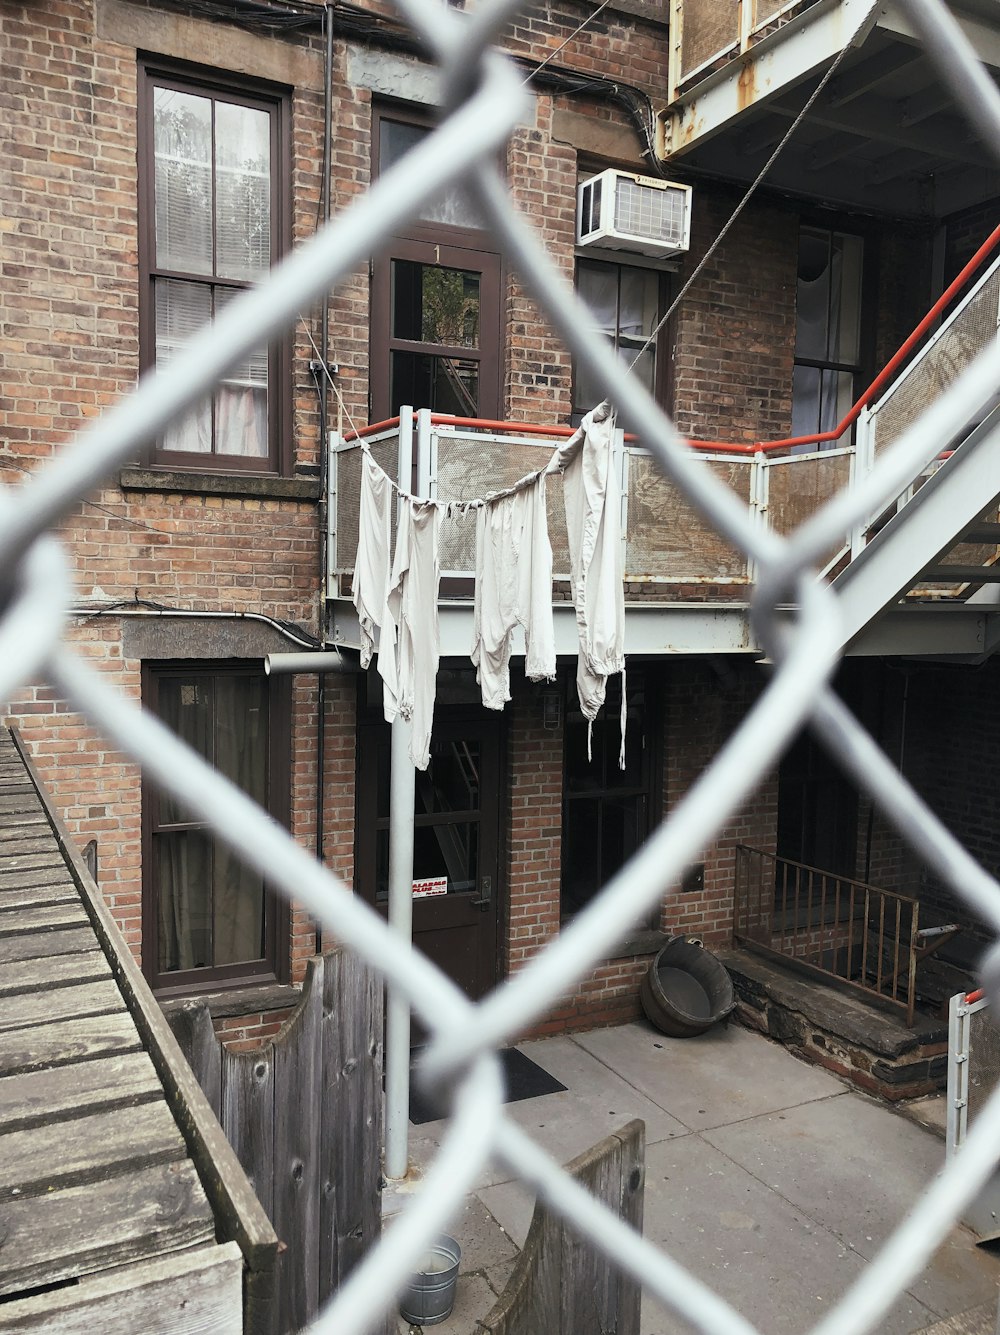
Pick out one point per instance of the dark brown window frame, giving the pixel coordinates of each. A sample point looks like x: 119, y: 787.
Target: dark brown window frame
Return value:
x: 471, y: 249
x: 276, y: 101
x: 274, y: 966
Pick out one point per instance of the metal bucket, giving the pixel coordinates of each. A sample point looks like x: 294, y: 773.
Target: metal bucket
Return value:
x: 430, y: 1293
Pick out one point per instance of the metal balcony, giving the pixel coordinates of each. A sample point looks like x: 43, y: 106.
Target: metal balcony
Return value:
x: 883, y: 134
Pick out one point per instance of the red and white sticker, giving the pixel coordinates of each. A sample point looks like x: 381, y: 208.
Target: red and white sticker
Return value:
x: 436, y: 885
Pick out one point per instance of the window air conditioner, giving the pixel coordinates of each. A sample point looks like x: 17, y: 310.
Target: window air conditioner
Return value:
x: 621, y: 211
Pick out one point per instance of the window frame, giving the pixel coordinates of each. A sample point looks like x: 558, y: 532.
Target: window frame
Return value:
x: 861, y: 371
x: 274, y: 965
x: 276, y: 102
x: 426, y: 242
x: 662, y: 343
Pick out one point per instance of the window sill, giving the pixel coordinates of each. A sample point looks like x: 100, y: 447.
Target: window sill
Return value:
x: 219, y: 484
x: 643, y: 941
x: 237, y: 1000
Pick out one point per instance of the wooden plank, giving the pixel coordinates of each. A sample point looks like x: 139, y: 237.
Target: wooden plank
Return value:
x: 88, y: 966
x: 65, y: 941
x: 187, y: 1293
x: 192, y: 1027
x: 351, y: 1120
x: 25, y: 1010
x: 30, y: 921
x: 298, y: 1105
x: 248, y: 1118
x: 55, y: 1093
x: 28, y: 861
x: 72, y: 1232
x: 50, y: 891
x: 66, y: 1042
x: 28, y: 824
x: 86, y: 1149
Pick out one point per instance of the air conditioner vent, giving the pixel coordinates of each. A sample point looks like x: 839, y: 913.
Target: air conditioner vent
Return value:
x: 643, y: 214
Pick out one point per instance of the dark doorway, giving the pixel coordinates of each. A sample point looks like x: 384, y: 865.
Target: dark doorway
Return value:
x: 456, y: 879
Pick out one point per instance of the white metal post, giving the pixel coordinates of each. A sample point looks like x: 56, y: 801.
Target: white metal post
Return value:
x: 402, y: 788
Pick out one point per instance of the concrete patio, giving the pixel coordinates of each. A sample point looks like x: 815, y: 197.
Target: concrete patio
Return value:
x: 771, y: 1180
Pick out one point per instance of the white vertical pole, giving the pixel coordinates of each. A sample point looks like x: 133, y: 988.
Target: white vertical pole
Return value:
x: 397, y: 1035
x: 402, y: 787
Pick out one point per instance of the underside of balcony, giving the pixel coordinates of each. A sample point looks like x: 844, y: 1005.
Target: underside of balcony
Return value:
x: 883, y: 133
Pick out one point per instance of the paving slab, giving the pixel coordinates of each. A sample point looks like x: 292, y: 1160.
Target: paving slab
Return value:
x: 855, y: 1167
x: 722, y: 1076
x: 777, y: 1266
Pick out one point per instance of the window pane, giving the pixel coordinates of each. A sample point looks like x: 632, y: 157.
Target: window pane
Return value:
x: 597, y: 285
x: 454, y: 205
x: 241, y: 399
x: 187, y: 707
x: 581, y: 877
x: 451, y: 780
x: 431, y: 304
x: 443, y: 384
x: 243, y: 191
x: 183, y: 874
x: 805, y: 400
x: 813, y: 295
x: 241, y: 732
x: 182, y: 146
x: 181, y: 310
x: 450, y: 850
x: 638, y: 304
x: 237, y: 910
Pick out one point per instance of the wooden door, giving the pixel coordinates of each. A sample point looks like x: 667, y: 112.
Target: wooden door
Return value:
x: 456, y: 902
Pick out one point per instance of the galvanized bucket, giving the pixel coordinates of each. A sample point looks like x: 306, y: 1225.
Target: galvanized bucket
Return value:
x: 430, y: 1293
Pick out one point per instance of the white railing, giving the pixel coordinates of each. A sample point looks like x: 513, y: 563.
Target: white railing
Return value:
x: 484, y: 100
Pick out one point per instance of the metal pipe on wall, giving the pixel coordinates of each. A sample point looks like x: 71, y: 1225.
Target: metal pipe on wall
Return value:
x: 402, y: 792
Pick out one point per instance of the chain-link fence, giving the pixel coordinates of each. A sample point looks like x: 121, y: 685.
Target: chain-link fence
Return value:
x: 484, y: 99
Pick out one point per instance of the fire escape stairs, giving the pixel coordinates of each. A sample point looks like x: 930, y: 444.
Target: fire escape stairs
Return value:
x: 942, y: 547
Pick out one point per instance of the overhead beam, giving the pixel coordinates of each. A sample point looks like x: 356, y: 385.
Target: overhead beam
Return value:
x: 868, y: 74
x: 802, y: 47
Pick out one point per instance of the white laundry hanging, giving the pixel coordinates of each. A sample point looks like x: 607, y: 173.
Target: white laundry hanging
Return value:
x: 412, y: 607
x: 593, y: 522
x: 513, y: 587
x: 372, y: 566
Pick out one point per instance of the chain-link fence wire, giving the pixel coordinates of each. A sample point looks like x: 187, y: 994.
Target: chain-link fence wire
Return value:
x: 483, y: 101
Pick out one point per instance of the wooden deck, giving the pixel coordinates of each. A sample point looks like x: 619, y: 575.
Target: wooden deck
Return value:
x: 119, y: 1196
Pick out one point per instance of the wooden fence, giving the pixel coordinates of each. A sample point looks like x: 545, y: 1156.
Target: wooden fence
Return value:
x: 562, y: 1285
x: 304, y: 1115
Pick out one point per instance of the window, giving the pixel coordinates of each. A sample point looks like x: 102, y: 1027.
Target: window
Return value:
x: 436, y: 330
x: 212, y: 216
x: 626, y: 303
x: 605, y: 809
x: 207, y: 919
x: 828, y: 350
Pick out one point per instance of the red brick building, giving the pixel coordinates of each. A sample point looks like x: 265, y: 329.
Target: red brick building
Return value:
x: 163, y: 156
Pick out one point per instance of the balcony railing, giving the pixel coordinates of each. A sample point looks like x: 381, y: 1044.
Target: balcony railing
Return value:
x: 833, y: 926
x: 670, y: 553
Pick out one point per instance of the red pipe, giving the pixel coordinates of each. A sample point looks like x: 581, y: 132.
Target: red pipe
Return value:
x: 970, y: 997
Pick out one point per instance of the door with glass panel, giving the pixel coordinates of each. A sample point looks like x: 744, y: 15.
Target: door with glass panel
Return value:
x: 435, y: 330
x: 455, y: 845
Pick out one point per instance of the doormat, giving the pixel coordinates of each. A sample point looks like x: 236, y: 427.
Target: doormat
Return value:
x: 523, y: 1077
